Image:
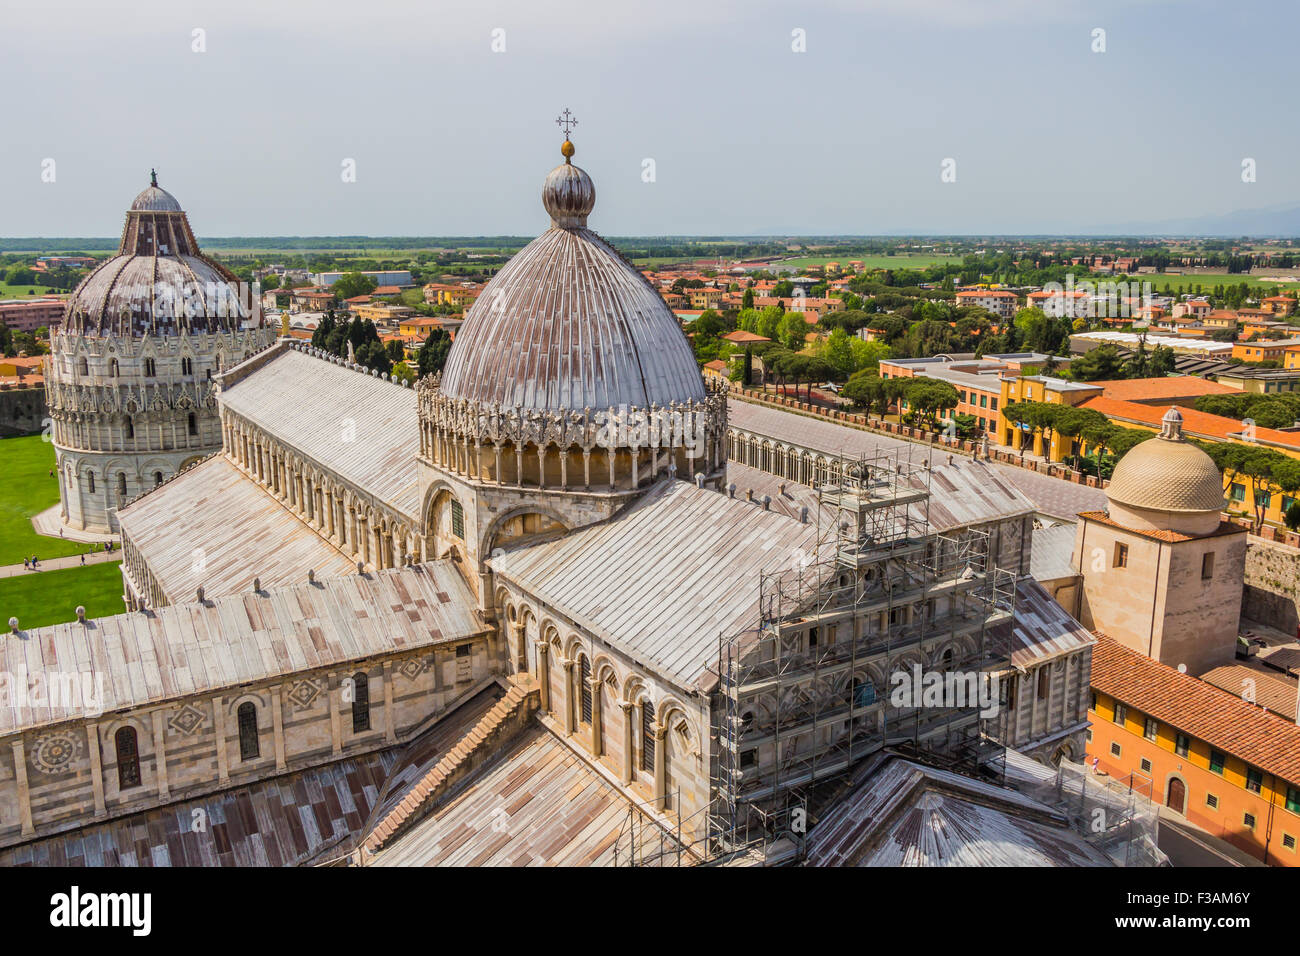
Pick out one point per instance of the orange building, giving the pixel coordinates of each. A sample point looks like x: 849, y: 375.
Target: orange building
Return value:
x: 1230, y: 767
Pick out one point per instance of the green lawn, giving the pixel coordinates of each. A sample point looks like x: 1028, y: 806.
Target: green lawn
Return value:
x: 901, y: 261
x: 1208, y: 282
x: 22, y: 291
x: 51, y: 597
x: 27, y: 488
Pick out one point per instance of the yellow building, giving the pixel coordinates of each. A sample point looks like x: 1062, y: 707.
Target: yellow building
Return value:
x: 1263, y: 350
x: 1050, y: 391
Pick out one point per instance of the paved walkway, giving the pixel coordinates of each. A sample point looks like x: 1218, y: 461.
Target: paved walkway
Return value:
x: 49, y: 524
x: 53, y: 564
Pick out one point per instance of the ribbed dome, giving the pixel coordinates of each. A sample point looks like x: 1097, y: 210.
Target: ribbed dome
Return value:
x: 569, y: 196
x: 568, y: 324
x: 155, y: 199
x: 157, y: 262
x: 1167, y: 473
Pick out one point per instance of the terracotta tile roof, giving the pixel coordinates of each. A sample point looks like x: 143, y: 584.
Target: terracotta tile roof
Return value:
x: 1219, y: 718
x: 1225, y: 527
x: 1195, y: 424
x: 1272, y: 690
x: 740, y: 335
x: 1171, y: 386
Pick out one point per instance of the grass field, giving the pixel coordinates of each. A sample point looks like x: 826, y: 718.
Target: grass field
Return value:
x: 1208, y: 282
x: 26, y: 489
x: 51, y: 597
x: 22, y: 291
x: 906, y: 261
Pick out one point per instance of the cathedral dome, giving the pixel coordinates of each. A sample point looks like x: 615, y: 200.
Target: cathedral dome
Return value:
x: 569, y: 324
x: 159, y: 283
x: 1168, y: 475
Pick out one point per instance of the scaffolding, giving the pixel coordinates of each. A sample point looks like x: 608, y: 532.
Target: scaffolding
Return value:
x: 1117, y: 817
x: 881, y: 593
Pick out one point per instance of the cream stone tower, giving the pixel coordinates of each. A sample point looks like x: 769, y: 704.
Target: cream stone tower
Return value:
x: 128, y: 382
x: 1162, y: 571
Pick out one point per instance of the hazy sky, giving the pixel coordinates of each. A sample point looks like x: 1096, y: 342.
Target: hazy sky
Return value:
x: 747, y: 136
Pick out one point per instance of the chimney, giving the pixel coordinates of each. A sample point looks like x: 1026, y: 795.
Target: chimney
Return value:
x: 749, y: 494
x: 780, y: 489
x: 767, y: 502
x: 731, y: 490
x: 81, y: 613
x: 699, y: 479
x: 803, y: 515
x: 13, y: 624
x: 311, y: 575
x: 257, y: 585
x: 361, y: 567
x: 200, y: 594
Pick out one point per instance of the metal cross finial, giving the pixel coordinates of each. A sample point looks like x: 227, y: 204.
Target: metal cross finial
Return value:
x: 566, y: 122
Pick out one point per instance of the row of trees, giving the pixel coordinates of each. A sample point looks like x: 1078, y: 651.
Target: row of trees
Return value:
x: 1110, y: 442
x: 1267, y: 410
x: 1263, y: 469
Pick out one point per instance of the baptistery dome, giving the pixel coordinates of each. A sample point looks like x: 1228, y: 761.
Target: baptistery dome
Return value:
x: 159, y: 283
x: 569, y: 324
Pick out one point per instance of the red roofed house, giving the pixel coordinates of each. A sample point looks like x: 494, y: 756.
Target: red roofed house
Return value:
x: 997, y: 301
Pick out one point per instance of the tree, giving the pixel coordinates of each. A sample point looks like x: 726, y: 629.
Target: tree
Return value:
x: 838, y: 354
x: 865, y: 390
x: 20, y: 275
x: 929, y: 398
x: 867, y: 355
x: 769, y: 321
x: 709, y: 325
x: 432, y: 355
x: 352, y: 284
x: 1101, y: 363
x: 403, y: 372
x: 1292, y: 516
x: 747, y: 300
x: 792, y: 331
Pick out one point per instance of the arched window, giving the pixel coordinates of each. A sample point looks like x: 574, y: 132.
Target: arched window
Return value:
x: 130, y: 428
x: 457, y: 520
x: 90, y: 482
x: 121, y: 482
x: 112, y: 368
x: 584, y: 690
x: 863, y: 692
x: 149, y: 367
x: 248, y: 743
x: 187, y: 366
x: 194, y: 423
x: 128, y: 758
x: 157, y: 478
x: 83, y: 367
x: 360, y: 702
x: 647, y: 736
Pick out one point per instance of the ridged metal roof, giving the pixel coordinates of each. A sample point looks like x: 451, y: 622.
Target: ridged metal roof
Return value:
x: 664, y: 578
x: 186, y: 650
x: 568, y: 324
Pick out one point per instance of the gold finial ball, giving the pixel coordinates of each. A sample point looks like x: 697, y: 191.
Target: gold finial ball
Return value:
x: 567, y: 150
